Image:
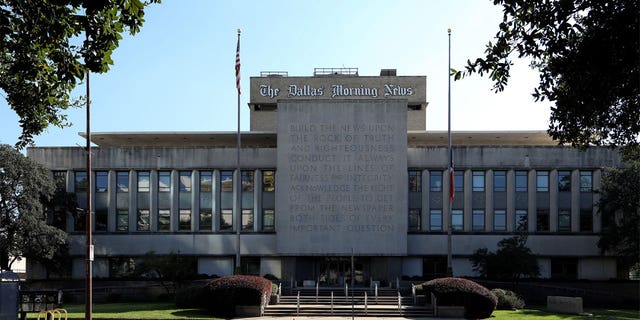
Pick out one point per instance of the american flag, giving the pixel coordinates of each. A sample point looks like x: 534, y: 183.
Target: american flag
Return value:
x: 238, y: 64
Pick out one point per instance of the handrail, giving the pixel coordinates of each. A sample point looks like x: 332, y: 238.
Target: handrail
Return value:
x: 298, y: 303
x: 413, y: 294
x: 376, y: 290
x: 434, y: 304
x: 331, y: 302
x: 366, y: 309
x: 346, y: 292
x: 399, y: 302
x: 317, y: 289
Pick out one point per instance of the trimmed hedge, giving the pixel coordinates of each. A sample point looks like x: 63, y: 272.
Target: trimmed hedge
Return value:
x: 507, y: 300
x: 477, y: 300
x: 221, y: 296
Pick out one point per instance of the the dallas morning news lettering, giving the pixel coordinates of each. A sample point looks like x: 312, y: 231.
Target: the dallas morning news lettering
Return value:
x: 337, y: 90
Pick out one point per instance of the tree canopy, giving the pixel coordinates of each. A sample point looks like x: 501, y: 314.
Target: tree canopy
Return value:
x: 25, y: 188
x: 619, y: 207
x: 588, y: 56
x: 46, y: 48
x: 512, y: 261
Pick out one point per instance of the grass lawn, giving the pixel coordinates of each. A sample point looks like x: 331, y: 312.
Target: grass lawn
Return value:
x: 154, y: 310
x: 598, y: 314
x: 167, y: 310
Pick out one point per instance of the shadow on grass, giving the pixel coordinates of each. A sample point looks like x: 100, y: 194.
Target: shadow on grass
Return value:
x: 192, y: 313
x: 600, y: 314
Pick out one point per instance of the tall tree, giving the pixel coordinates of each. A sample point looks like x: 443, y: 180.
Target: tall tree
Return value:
x: 43, y: 57
x: 24, y: 188
x: 512, y: 261
x: 619, y: 207
x: 588, y: 55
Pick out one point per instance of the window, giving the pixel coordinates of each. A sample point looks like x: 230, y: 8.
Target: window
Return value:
x: 80, y: 182
x: 499, y: 181
x: 477, y: 220
x: 122, y: 220
x: 226, y: 220
x: 435, y: 181
x: 586, y: 220
x: 143, y: 220
x: 247, y: 181
x: 564, y: 181
x: 458, y: 181
x: 415, y: 181
x: 101, y: 219
x: 250, y: 266
x: 542, y: 181
x: 226, y: 181
x: 143, y: 181
x: 164, y: 219
x: 185, y: 220
x: 206, y: 181
x: 102, y: 181
x: 247, y: 219
x: 268, y: 181
x: 586, y: 181
x: 206, y: 219
x: 268, y: 220
x: 457, y: 219
x: 164, y: 181
x: 542, y: 220
x: 60, y: 179
x: 521, y: 181
x: 122, y: 181
x: 478, y: 181
x: 521, y: 220
x: 564, y: 268
x: 499, y: 220
x: 564, y: 220
x: 435, y: 220
x: 185, y: 181
x: 414, y: 219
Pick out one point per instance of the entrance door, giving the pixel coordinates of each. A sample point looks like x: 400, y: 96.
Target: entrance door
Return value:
x: 336, y: 271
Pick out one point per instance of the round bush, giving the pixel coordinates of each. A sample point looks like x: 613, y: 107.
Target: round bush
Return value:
x: 222, y: 295
x: 477, y: 300
x: 507, y: 300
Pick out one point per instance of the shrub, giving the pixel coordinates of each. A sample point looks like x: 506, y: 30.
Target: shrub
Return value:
x: 477, y: 300
x: 190, y: 297
x: 222, y: 295
x: 507, y: 300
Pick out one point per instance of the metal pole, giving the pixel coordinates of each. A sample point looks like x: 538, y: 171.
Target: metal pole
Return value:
x: 239, y: 175
x: 352, y: 285
x: 88, y: 297
x: 449, y: 218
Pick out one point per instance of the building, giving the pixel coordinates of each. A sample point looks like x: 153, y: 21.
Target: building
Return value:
x: 335, y: 165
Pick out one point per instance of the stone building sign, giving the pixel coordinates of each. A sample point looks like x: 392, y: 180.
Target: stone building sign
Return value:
x: 342, y: 177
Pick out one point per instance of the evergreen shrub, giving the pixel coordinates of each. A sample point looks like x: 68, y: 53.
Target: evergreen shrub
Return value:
x: 507, y: 300
x: 477, y: 300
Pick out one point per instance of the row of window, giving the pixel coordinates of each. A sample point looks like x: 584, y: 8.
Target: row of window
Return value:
x: 164, y: 181
x: 162, y: 215
x: 500, y: 220
x: 478, y: 182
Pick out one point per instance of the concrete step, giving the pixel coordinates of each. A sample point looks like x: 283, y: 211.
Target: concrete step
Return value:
x: 344, y: 310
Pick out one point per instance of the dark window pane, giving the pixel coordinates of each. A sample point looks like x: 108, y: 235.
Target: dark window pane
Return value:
x: 542, y: 220
x: 458, y: 179
x: 102, y: 181
x: 478, y: 220
x: 80, y: 181
x: 499, y: 220
x: 542, y: 181
x: 247, y: 219
x: 143, y: 181
x: 564, y: 180
x: 226, y: 220
x: 457, y: 219
x: 122, y: 220
x: 478, y: 181
x: 164, y: 219
x: 564, y: 220
x: 143, y: 220
x: 499, y: 181
x: 268, y: 181
x: 205, y: 219
x: 435, y: 181
x: 521, y: 220
x: 414, y: 219
x: 185, y: 220
x: 586, y: 220
x: 226, y: 181
x: 185, y: 181
x: 521, y: 181
x: 435, y: 220
x: 122, y: 181
x: 164, y: 181
x: 206, y: 181
x: 268, y: 219
x: 586, y: 181
x: 415, y: 181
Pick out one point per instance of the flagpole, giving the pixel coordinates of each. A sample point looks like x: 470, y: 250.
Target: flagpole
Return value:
x: 451, y: 177
x: 238, y: 181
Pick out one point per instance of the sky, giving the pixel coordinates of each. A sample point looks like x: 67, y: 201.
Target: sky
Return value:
x: 178, y: 73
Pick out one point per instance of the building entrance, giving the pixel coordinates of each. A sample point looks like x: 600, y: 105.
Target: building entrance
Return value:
x: 336, y: 271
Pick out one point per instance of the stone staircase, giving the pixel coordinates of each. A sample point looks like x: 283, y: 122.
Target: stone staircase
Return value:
x: 386, y: 304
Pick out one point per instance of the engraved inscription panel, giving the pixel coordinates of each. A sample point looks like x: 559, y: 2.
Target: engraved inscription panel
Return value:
x: 342, y: 177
